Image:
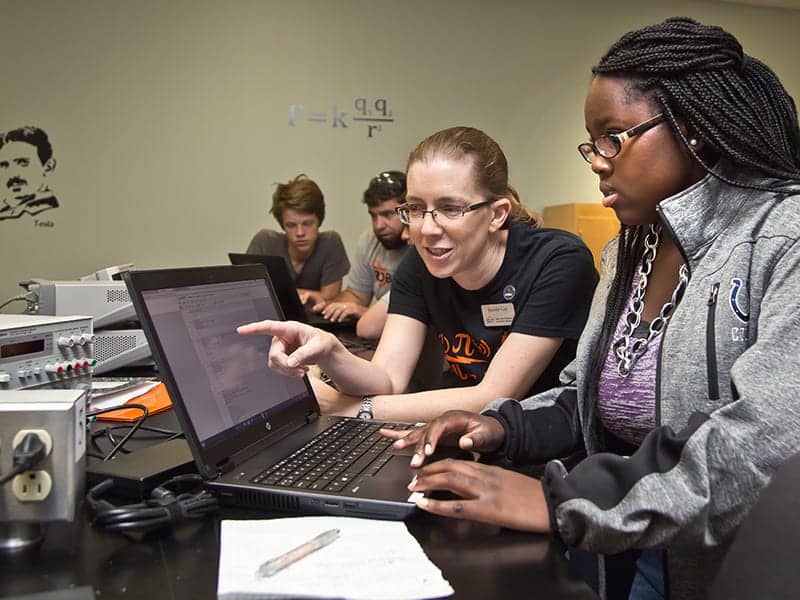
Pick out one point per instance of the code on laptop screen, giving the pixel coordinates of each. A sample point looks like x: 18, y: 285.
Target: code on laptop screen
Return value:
x: 222, y: 377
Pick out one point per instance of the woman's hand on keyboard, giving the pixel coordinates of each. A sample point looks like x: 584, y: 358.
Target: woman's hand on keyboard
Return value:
x: 469, y: 431
x: 484, y: 493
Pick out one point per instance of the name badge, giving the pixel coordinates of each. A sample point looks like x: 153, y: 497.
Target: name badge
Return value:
x: 497, y: 315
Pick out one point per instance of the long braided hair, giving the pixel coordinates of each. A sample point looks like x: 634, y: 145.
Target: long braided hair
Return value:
x: 731, y: 101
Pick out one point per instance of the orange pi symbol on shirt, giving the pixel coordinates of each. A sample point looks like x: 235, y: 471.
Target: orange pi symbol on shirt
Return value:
x: 463, y: 351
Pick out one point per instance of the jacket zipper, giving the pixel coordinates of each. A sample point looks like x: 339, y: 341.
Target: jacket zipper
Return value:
x: 665, y: 224
x: 711, y: 345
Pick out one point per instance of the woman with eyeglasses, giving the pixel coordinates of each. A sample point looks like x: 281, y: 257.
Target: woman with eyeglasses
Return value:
x: 684, y: 391
x: 316, y: 259
x: 506, y: 299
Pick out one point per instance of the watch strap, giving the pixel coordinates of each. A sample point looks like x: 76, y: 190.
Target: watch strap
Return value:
x: 365, y: 412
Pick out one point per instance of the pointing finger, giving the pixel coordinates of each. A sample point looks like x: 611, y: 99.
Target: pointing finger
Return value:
x: 268, y: 327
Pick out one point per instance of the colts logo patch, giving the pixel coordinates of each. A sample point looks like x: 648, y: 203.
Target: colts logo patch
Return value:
x: 739, y: 302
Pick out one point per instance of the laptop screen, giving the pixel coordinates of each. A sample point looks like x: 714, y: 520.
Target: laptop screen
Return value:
x: 281, y: 279
x: 222, y: 377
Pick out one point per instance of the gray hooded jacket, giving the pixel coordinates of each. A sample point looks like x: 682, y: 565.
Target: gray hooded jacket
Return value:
x: 728, y: 383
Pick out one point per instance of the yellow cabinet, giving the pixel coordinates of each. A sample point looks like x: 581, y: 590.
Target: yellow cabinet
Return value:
x: 593, y: 223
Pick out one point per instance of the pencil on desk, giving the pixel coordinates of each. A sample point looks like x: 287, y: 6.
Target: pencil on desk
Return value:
x: 273, y: 565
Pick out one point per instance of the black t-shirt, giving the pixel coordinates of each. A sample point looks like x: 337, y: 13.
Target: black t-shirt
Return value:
x: 547, y: 274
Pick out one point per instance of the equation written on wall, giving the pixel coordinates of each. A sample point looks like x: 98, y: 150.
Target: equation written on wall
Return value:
x: 370, y: 114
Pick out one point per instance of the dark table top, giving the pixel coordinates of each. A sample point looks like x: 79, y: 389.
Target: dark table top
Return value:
x: 479, y: 561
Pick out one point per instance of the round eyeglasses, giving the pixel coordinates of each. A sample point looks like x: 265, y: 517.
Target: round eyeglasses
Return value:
x: 416, y: 212
x: 610, y: 144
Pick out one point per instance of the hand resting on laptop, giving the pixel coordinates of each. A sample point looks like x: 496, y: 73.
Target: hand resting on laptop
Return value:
x: 466, y: 489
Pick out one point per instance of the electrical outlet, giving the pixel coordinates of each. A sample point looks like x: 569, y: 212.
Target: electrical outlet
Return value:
x: 55, y: 416
x: 44, y: 436
x: 32, y: 486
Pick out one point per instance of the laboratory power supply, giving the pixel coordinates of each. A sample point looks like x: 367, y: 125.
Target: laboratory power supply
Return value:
x: 38, y: 350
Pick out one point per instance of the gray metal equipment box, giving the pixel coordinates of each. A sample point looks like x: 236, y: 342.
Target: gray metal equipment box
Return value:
x: 61, y: 414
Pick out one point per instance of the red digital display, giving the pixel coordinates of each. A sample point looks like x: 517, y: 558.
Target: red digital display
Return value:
x: 21, y: 348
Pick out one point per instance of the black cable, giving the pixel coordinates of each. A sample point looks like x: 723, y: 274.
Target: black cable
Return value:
x: 14, y: 299
x: 110, y: 435
x: 164, y: 507
x: 134, y: 427
x: 161, y: 432
x: 27, y: 454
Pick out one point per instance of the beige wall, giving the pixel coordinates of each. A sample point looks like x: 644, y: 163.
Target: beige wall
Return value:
x: 169, y: 119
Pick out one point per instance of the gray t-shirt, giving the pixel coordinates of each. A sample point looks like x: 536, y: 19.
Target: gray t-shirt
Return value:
x: 374, y: 265
x: 327, y: 264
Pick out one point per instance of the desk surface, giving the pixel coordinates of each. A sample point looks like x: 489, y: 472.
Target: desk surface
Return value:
x: 479, y: 561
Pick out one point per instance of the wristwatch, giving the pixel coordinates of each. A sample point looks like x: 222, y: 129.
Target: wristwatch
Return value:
x: 365, y: 412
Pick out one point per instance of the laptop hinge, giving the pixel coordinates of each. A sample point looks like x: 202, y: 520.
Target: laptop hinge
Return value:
x: 312, y: 416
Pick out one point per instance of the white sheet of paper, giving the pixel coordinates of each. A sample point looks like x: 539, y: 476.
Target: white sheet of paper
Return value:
x: 371, y: 560
x: 121, y: 397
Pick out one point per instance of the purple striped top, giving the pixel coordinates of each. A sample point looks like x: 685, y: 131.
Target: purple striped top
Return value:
x: 626, y: 405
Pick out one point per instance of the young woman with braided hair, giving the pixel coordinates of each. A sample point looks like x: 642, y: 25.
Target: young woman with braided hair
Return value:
x: 676, y: 391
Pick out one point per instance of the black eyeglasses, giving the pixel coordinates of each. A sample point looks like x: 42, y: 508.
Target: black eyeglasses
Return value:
x: 610, y: 144
x: 417, y: 212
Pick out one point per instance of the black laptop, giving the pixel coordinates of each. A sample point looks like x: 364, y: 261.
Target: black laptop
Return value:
x: 286, y: 291
x: 257, y: 436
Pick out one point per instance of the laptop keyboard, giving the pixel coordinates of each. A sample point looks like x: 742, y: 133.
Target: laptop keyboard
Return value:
x: 333, y: 458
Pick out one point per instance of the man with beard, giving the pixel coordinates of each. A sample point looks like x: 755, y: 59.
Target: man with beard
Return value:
x: 26, y: 159
x: 379, y: 252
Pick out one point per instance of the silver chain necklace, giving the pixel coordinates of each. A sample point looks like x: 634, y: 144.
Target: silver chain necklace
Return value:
x: 628, y: 349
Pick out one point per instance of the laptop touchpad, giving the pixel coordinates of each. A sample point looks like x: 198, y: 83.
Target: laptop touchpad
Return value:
x: 397, y: 468
x: 409, y: 451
